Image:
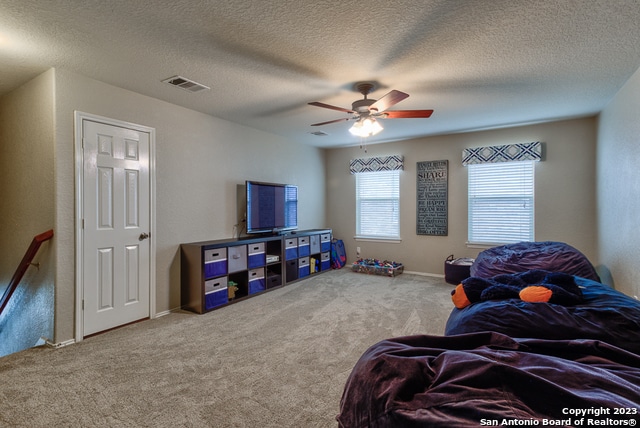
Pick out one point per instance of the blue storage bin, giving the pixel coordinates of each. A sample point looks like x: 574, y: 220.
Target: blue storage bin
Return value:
x: 303, y: 267
x: 291, y: 253
x: 256, y: 255
x: 303, y: 246
x: 303, y: 251
x: 291, y: 249
x: 257, y: 286
x: 325, y: 261
x: 216, y: 298
x: 256, y: 281
x: 256, y: 260
x: 215, y: 262
x: 303, y: 271
x: 215, y: 284
x: 325, y: 242
x: 215, y: 268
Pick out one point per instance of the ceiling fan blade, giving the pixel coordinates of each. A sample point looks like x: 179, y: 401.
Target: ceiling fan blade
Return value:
x: 323, y: 105
x: 406, y: 114
x: 388, y: 100
x: 331, y: 121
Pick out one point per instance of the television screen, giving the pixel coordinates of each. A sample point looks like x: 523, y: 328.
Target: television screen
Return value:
x: 271, y: 207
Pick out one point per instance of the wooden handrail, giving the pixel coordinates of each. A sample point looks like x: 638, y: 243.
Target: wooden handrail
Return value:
x: 22, y: 267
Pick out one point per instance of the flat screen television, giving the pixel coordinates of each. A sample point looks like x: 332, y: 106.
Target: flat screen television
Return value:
x: 271, y: 207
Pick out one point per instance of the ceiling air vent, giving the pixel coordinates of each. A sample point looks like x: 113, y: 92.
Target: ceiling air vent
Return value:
x: 186, y: 84
x: 319, y: 133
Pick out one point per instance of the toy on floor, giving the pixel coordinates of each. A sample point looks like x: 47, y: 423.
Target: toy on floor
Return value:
x: 378, y: 263
x: 531, y: 286
x: 378, y: 267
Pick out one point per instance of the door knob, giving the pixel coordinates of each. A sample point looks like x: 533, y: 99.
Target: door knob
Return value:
x: 143, y: 236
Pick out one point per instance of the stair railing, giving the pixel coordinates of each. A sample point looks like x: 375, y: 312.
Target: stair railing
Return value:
x: 22, y: 267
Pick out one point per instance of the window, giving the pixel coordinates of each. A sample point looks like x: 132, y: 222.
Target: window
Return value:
x: 378, y: 205
x: 501, y: 202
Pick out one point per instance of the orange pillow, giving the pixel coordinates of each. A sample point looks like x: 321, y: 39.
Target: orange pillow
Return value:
x: 535, y: 293
x: 459, y: 297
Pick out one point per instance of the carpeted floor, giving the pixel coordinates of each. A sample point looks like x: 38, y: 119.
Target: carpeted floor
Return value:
x: 276, y: 360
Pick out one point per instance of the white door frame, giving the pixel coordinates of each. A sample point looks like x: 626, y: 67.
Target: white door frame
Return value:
x: 79, y: 117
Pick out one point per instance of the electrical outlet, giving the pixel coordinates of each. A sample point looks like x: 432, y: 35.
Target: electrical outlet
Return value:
x: 358, y: 251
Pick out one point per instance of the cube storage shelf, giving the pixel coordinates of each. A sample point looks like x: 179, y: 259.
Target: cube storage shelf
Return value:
x: 254, y: 264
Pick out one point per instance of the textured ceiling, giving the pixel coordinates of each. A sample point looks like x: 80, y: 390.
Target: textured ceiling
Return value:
x: 478, y: 64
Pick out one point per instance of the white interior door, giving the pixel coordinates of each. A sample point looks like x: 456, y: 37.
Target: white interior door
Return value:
x: 116, y: 226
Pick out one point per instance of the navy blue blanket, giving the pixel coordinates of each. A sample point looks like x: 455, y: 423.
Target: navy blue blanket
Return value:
x: 604, y: 314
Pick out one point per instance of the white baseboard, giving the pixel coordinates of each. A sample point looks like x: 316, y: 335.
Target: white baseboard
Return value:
x: 163, y: 313
x: 435, y: 275
x: 60, y: 344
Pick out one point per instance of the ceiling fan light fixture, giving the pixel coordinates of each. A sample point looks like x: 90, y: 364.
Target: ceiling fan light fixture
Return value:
x: 366, y: 127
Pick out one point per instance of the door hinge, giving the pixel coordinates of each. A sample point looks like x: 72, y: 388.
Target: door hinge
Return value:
x: 83, y: 304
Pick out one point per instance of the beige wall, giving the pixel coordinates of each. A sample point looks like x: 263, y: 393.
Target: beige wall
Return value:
x: 26, y: 208
x: 200, y: 160
x: 565, y: 192
x: 26, y: 169
x: 619, y: 187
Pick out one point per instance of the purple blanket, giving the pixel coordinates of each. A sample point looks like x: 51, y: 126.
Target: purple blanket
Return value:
x: 485, y: 379
x: 524, y: 256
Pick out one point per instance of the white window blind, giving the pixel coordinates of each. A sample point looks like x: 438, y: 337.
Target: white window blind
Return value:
x: 378, y: 205
x: 501, y: 202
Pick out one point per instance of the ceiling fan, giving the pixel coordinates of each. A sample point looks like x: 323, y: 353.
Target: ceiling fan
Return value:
x: 366, y: 111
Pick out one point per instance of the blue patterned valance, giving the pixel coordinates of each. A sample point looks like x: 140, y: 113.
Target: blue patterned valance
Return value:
x: 386, y: 163
x: 507, y: 153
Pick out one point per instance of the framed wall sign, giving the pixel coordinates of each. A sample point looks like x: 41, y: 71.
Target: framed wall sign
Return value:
x: 432, y: 198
